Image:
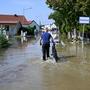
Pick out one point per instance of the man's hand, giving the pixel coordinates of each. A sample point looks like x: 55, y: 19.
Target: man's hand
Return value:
x: 40, y: 43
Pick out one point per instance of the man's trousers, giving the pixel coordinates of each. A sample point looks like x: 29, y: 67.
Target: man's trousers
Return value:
x: 45, y: 51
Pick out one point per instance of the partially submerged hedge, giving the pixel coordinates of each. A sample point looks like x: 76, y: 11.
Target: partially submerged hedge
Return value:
x: 3, y: 41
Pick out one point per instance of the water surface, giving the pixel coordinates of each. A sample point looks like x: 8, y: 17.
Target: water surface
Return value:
x: 21, y: 68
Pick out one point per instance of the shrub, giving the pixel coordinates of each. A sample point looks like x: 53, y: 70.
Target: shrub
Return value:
x: 3, y: 41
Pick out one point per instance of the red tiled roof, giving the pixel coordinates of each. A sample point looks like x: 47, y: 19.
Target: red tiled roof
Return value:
x: 12, y: 19
x: 30, y: 22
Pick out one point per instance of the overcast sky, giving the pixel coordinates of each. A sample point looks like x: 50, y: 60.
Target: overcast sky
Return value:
x: 32, y: 9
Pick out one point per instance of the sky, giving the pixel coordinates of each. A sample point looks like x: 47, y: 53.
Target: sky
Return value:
x: 32, y: 9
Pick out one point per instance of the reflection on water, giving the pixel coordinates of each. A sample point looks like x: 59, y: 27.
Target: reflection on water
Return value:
x: 75, y: 52
x: 23, y: 39
x: 18, y: 53
x: 24, y: 70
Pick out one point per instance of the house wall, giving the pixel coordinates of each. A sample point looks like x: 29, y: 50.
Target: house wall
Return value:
x: 12, y: 28
x: 25, y: 25
x: 35, y: 24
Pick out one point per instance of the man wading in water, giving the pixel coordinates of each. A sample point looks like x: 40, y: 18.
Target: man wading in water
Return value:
x: 45, y: 42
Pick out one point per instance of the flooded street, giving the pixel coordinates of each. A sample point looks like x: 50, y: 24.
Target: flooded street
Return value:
x: 21, y: 68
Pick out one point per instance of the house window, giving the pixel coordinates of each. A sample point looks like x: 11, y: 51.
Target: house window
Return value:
x: 7, y: 27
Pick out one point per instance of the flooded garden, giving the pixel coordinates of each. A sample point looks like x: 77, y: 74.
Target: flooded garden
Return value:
x: 21, y: 67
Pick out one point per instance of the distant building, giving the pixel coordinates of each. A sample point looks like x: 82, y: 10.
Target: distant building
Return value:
x: 33, y: 23
x: 12, y: 23
x: 50, y: 26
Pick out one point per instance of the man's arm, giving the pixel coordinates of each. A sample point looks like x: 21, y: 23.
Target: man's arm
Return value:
x: 41, y: 40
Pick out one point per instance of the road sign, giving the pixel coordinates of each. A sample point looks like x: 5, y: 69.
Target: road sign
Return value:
x: 84, y: 20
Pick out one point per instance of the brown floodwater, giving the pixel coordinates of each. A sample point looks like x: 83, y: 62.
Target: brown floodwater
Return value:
x: 21, y: 68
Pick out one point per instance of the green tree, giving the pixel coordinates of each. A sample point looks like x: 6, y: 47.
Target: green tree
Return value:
x: 66, y: 12
x: 30, y: 30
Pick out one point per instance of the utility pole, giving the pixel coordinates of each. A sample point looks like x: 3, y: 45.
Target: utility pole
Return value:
x: 24, y: 9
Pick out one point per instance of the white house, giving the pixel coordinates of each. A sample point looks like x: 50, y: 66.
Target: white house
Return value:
x: 12, y: 23
x: 50, y: 26
x: 33, y: 23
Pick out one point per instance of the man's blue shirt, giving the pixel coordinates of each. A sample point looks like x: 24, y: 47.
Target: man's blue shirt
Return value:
x: 45, y: 37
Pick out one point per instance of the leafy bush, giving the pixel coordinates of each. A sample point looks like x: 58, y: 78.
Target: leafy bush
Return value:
x: 3, y: 41
x: 30, y: 30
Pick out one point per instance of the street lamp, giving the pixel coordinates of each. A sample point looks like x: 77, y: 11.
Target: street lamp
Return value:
x: 24, y: 11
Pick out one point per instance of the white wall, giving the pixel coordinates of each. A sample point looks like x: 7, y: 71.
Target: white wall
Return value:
x: 35, y: 24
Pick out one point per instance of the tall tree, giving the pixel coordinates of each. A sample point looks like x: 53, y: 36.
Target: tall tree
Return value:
x: 66, y: 12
